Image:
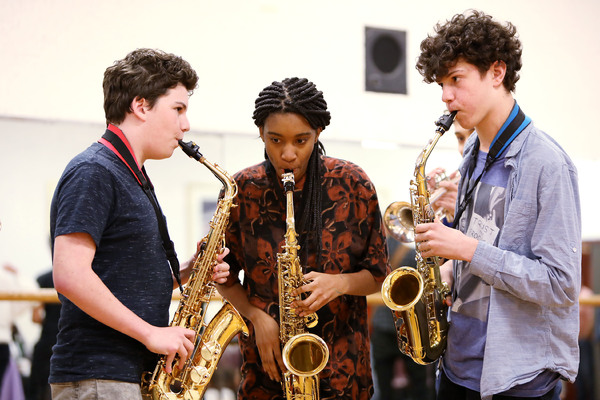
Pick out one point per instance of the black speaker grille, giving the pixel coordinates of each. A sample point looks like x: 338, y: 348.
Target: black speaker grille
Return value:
x: 385, y: 60
x: 386, y: 53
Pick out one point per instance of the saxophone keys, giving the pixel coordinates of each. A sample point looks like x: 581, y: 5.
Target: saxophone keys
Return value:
x: 199, y: 375
x: 210, y: 350
x: 311, y: 320
x: 192, y: 321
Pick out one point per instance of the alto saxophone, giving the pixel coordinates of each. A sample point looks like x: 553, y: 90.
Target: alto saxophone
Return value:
x: 190, y: 382
x: 416, y: 296
x: 304, y: 354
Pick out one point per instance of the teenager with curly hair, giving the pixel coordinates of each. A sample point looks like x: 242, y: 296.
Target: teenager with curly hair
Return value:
x: 517, y: 243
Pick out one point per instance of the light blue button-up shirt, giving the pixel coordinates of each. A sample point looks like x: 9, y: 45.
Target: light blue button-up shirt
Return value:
x: 535, y: 270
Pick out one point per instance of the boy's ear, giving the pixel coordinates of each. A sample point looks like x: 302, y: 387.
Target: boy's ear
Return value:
x: 498, y: 72
x: 139, y: 107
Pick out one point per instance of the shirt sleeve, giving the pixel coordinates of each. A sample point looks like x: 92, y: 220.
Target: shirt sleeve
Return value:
x: 539, y: 256
x: 376, y: 256
x: 84, y: 199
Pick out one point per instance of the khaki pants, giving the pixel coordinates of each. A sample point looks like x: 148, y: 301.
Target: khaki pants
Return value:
x: 96, y: 389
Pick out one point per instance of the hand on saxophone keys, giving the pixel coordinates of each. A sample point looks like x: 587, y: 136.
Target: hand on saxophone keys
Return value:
x: 171, y: 341
x: 320, y: 288
x: 435, y: 239
x: 221, y: 268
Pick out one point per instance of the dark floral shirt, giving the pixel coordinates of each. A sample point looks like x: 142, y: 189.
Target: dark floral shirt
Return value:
x: 352, y: 240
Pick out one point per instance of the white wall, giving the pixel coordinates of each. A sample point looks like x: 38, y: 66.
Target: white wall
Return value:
x: 54, y: 55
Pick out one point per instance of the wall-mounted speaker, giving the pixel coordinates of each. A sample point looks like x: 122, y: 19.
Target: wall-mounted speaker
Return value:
x: 385, y: 60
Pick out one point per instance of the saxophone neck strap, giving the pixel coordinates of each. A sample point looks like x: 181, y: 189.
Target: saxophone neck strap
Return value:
x: 513, y: 126
x: 115, y: 140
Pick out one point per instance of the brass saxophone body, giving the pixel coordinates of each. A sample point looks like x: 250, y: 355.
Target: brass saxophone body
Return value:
x: 416, y: 296
x: 190, y: 382
x: 304, y: 354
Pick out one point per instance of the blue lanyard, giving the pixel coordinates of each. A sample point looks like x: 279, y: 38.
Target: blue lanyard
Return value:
x: 514, y: 124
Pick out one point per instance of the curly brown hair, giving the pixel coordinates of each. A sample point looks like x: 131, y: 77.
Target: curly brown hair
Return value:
x: 473, y: 37
x: 146, y: 74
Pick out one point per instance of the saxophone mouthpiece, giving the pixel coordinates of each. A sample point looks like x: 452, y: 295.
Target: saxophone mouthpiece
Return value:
x: 445, y: 121
x: 288, y: 180
x: 191, y: 149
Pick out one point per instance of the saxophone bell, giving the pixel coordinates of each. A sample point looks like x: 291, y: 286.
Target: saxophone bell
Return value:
x: 402, y: 292
x: 398, y: 221
x: 305, y: 354
x: 402, y: 289
x: 398, y: 216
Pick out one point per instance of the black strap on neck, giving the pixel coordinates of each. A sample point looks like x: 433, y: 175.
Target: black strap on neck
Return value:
x: 118, y: 146
x: 515, y: 123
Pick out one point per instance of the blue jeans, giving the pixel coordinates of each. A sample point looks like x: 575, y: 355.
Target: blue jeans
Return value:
x: 96, y: 389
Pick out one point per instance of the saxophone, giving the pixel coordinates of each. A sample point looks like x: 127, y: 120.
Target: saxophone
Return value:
x: 416, y: 296
x: 304, y: 354
x: 190, y: 382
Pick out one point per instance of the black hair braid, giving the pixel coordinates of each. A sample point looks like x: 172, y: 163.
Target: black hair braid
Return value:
x: 310, y: 225
x: 297, y: 95
x: 300, y: 96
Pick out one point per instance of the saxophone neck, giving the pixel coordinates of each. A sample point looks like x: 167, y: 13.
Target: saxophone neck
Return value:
x: 228, y: 182
x: 193, y: 151
x: 443, y: 124
x: 420, y: 175
x: 214, y: 241
x: 291, y: 240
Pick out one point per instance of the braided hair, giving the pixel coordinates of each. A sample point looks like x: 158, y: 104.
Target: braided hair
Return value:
x: 300, y: 96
